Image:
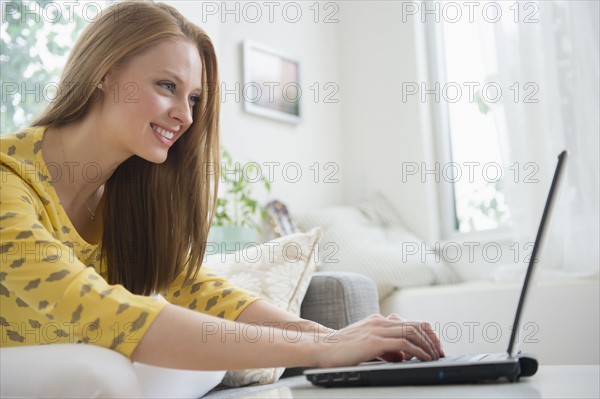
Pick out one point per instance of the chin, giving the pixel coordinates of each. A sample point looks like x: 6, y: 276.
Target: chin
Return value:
x: 156, y: 158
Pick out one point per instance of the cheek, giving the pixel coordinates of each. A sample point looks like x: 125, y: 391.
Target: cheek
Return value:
x: 142, y: 104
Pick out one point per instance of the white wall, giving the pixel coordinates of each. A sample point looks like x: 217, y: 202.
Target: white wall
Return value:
x: 381, y: 131
x: 367, y: 54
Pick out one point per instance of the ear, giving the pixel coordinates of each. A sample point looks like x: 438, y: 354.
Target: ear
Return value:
x: 109, y: 77
x: 100, y: 85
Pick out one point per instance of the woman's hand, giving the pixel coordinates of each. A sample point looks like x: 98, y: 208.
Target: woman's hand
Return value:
x: 391, y: 339
x: 426, y: 327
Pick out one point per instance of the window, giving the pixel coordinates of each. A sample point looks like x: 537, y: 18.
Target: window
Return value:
x: 36, y: 37
x: 463, y: 80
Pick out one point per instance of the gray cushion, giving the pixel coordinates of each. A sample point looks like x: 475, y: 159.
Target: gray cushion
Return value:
x: 337, y: 299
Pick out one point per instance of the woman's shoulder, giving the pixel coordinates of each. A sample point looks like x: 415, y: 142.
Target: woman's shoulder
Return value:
x: 21, y: 146
x: 20, y: 154
x: 21, y: 142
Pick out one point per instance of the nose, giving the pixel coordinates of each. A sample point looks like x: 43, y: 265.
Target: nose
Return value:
x: 182, y: 112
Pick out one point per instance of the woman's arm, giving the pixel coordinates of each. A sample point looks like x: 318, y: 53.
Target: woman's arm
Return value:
x: 180, y: 338
x: 266, y: 314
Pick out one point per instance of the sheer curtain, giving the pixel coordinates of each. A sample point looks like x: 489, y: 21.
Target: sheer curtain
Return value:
x: 550, y: 63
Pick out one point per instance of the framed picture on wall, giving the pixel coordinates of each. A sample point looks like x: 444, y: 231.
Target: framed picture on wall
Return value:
x: 271, y: 83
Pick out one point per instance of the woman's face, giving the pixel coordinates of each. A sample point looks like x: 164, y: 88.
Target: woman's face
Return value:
x: 147, y: 103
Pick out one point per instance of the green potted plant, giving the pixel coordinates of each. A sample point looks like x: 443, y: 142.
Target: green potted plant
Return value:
x: 235, y: 222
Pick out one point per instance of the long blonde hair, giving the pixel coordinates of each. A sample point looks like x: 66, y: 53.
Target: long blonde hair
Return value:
x: 156, y: 217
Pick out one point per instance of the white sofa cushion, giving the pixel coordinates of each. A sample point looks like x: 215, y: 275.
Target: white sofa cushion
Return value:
x: 354, y: 243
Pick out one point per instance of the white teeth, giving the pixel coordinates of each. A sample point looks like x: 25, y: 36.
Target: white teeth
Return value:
x: 165, y: 133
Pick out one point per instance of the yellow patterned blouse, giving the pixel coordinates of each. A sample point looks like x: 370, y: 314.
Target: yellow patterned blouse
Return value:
x: 51, y: 287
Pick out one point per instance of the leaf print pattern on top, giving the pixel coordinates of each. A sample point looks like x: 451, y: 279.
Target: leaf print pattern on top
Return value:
x: 33, y: 284
x: 139, y: 322
x: 77, y: 314
x: 37, y: 146
x: 85, y: 289
x: 4, y: 248
x: 24, y: 234
x: 8, y: 215
x: 14, y: 336
x: 195, y: 288
x: 17, y: 263
x: 35, y: 323
x: 122, y: 307
x: 211, y: 302
x: 21, y: 303
x: 56, y: 276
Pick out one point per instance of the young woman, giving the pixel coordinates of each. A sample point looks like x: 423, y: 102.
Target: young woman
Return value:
x: 105, y: 203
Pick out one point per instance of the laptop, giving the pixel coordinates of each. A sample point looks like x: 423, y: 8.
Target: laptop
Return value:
x: 508, y: 366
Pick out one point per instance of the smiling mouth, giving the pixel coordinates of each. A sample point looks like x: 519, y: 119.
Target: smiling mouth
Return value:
x: 163, y: 132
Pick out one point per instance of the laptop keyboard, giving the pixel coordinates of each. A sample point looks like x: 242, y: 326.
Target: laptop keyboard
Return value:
x: 462, y: 358
x: 455, y: 358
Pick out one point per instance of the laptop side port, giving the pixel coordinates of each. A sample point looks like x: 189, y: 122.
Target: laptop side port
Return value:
x: 353, y: 376
x: 323, y: 378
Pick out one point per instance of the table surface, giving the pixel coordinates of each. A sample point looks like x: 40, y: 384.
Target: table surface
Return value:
x: 548, y: 382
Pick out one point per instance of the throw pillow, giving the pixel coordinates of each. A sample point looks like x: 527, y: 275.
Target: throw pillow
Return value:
x: 279, y: 271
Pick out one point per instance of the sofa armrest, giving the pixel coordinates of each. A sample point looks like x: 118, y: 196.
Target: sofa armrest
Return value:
x: 337, y: 299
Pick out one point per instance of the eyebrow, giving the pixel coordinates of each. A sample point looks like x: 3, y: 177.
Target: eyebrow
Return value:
x: 178, y: 79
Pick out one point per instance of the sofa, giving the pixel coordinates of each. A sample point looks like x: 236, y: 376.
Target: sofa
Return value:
x: 334, y: 299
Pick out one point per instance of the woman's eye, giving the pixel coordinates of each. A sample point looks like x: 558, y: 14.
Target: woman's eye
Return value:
x: 169, y: 86
x: 194, y: 100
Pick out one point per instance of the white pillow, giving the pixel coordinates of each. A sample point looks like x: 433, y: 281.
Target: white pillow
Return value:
x: 279, y: 271
x: 378, y: 209
x: 354, y: 243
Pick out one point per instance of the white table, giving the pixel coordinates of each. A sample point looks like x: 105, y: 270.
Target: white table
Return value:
x: 548, y: 382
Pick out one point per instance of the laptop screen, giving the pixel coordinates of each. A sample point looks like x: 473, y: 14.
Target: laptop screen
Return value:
x: 550, y: 204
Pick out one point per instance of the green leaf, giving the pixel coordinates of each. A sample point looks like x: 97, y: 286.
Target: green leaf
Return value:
x: 481, y: 104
